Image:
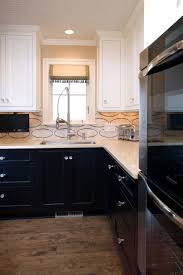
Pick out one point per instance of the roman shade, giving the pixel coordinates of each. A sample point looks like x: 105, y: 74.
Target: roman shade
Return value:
x: 69, y: 73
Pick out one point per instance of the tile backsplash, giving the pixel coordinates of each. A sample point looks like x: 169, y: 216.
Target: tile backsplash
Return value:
x: 106, y: 126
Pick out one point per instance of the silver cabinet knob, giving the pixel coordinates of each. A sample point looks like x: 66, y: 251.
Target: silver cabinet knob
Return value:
x: 120, y: 240
x: 120, y: 178
x: 70, y: 157
x: 110, y: 166
x: 2, y: 158
x: 2, y: 99
x: 2, y: 196
x: 2, y: 175
x: 6, y: 99
x: 120, y: 203
x: 66, y: 158
x: 105, y: 101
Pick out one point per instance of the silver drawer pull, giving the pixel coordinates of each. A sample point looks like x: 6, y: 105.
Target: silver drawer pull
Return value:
x: 2, y: 196
x: 120, y: 203
x: 120, y: 240
x: 2, y: 158
x: 120, y: 178
x: 66, y: 158
x: 110, y: 166
x: 2, y: 175
x: 70, y: 157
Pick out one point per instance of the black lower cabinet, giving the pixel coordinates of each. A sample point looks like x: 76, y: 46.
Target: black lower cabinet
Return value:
x: 82, y: 180
x: 52, y: 181
x: 44, y: 182
x: 126, y: 233
x: 19, y: 182
x: 68, y: 179
x: 53, y: 186
x: 123, y: 213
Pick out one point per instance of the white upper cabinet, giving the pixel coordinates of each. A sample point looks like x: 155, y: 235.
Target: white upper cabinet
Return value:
x: 134, y: 44
x: 110, y: 71
x: 19, y: 70
x: 131, y: 99
x: 159, y: 15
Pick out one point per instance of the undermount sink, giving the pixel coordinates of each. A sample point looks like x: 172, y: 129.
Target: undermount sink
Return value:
x: 54, y: 142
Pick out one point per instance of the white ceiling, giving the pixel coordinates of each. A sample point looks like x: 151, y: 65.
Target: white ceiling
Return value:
x: 84, y: 16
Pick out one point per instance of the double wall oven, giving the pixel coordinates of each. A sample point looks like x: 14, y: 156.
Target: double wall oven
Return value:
x: 160, y: 216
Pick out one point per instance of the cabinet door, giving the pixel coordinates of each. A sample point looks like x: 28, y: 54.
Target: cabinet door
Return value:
x: 68, y: 178
x: 110, y: 73
x: 19, y: 71
x: 52, y: 174
x: 134, y: 38
x: 130, y: 94
x: 134, y: 45
x: 80, y: 174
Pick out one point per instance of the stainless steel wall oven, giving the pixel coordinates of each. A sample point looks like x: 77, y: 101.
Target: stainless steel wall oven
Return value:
x: 160, y: 225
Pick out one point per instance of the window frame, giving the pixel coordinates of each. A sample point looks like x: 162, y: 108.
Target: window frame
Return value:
x: 47, y: 97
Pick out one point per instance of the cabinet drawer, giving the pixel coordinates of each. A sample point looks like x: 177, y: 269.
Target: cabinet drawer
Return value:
x: 14, y: 155
x: 126, y: 213
x: 128, y: 186
x: 123, y: 180
x: 16, y: 175
x: 124, y: 233
x: 126, y: 240
x: 15, y: 197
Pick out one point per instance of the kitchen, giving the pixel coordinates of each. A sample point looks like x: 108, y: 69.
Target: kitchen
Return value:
x: 91, y: 137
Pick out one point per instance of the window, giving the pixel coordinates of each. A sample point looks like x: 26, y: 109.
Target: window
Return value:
x: 78, y: 101
x: 81, y: 90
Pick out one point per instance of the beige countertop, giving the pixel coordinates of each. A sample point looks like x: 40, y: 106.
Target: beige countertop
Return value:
x: 126, y: 153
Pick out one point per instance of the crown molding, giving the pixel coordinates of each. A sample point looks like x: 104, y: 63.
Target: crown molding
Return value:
x: 109, y: 34
x: 68, y: 42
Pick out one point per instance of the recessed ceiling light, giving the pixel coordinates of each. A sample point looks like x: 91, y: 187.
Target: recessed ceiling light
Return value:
x: 69, y: 32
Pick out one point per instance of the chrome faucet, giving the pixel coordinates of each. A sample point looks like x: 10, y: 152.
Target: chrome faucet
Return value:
x: 68, y: 121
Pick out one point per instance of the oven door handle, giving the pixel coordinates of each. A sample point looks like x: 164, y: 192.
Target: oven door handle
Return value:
x: 158, y: 60
x: 166, y: 210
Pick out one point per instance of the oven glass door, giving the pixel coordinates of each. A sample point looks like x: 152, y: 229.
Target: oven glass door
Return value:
x: 160, y: 239
x: 165, y: 105
x: 165, y: 124
x: 164, y: 245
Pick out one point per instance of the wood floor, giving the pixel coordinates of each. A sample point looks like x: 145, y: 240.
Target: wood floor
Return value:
x: 74, y: 246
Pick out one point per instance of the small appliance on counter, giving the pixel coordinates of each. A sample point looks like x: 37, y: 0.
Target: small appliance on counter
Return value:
x: 14, y: 123
x: 127, y: 132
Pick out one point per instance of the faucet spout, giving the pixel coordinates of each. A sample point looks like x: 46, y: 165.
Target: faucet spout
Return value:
x: 68, y: 111
x: 68, y: 121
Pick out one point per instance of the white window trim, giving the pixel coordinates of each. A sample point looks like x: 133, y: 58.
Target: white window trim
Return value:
x: 47, y: 98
